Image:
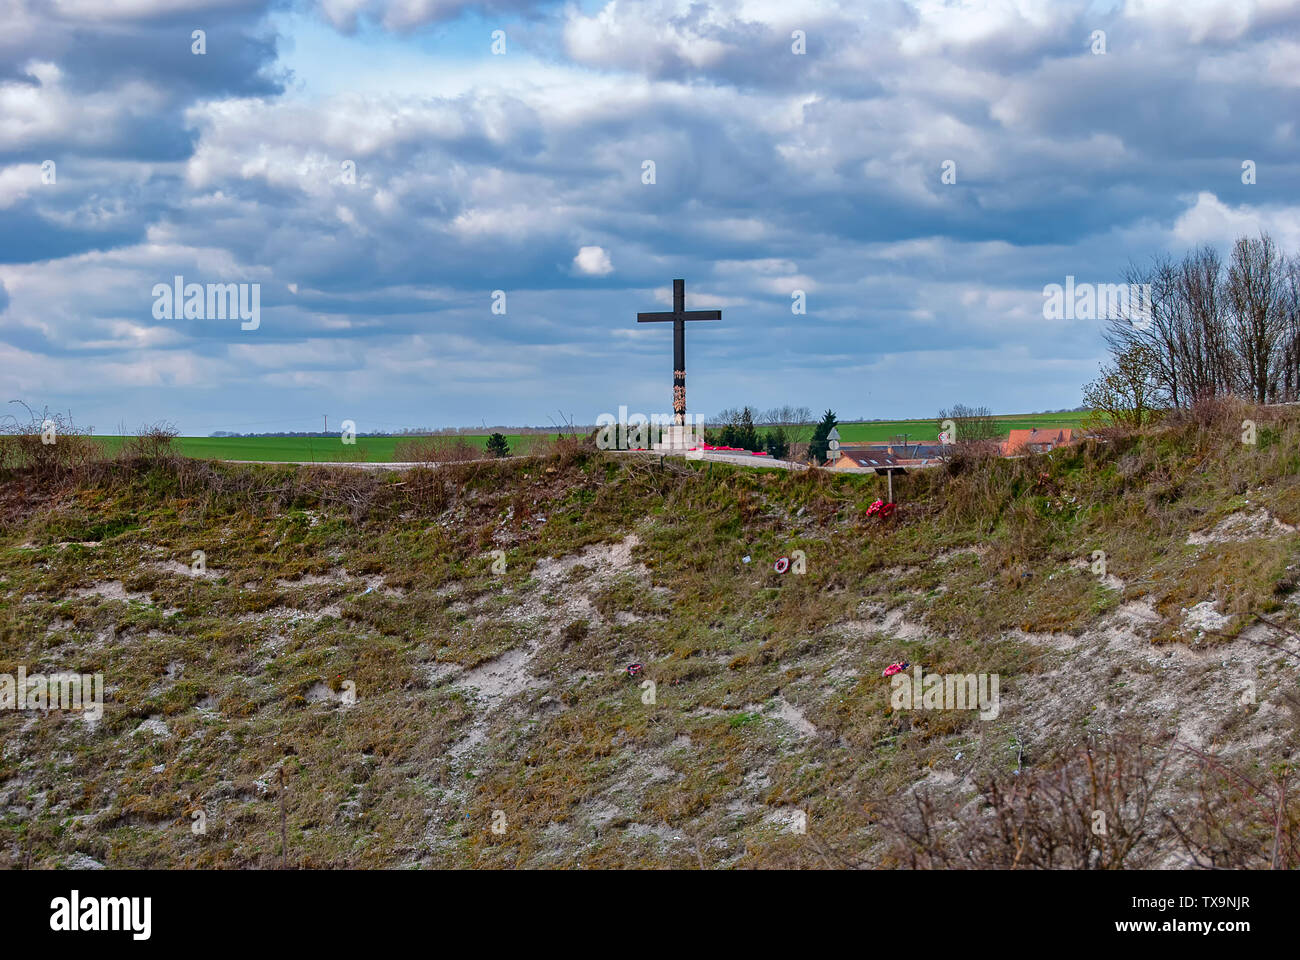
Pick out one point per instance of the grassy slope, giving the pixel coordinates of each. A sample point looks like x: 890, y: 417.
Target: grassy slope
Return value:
x: 583, y: 771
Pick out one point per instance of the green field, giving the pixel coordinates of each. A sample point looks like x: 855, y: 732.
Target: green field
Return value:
x: 927, y: 429
x: 380, y: 449
x: 306, y: 449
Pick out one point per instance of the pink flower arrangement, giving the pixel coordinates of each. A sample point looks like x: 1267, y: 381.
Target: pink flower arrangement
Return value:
x: 881, y: 509
x: 752, y: 453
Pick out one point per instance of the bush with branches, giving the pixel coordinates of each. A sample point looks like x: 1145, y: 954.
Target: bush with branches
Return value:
x: 48, y: 443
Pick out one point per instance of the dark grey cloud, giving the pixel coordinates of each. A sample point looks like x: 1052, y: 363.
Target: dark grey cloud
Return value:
x: 154, y: 48
x: 774, y: 172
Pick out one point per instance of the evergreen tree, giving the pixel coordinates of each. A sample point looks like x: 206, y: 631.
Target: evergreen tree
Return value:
x: 746, y: 434
x: 497, y: 446
x: 819, y: 446
x: 777, y: 444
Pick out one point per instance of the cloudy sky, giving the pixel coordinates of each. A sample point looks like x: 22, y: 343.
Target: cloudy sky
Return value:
x: 379, y: 171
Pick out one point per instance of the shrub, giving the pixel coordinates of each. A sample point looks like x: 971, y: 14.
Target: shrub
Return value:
x: 435, y: 450
x: 152, y: 443
x: 48, y: 443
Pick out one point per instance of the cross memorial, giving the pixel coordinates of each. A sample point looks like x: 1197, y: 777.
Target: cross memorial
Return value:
x: 679, y: 316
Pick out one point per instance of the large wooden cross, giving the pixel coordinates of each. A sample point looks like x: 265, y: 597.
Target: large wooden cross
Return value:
x: 679, y: 316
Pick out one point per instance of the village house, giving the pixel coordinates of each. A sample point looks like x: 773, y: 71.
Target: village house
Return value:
x: 1021, y: 442
x: 878, y: 456
x: 895, y: 457
x: 864, y: 458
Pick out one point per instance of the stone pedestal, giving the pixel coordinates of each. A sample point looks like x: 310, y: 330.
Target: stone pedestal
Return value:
x: 678, y: 438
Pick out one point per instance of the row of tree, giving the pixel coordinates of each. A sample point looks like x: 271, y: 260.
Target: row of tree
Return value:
x: 787, y: 432
x: 970, y: 426
x: 1212, y: 328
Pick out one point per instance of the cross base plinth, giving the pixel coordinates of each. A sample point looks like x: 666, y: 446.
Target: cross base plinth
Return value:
x: 679, y: 437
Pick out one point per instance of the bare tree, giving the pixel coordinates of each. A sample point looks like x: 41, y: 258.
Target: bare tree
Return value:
x: 1290, y: 356
x: 728, y: 416
x: 1182, y: 326
x: 798, y: 420
x: 796, y: 423
x: 1094, y: 809
x: 1207, y: 363
x: 1257, y: 309
x: 975, y: 425
x: 1211, y: 329
x: 1158, y: 329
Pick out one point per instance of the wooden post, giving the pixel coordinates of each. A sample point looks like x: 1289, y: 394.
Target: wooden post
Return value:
x: 890, y: 475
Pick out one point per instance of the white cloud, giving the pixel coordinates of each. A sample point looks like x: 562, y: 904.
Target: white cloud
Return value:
x: 18, y: 181
x: 47, y: 113
x: 1210, y: 220
x: 645, y: 35
x: 593, y: 261
x: 1202, y: 20
x: 943, y: 24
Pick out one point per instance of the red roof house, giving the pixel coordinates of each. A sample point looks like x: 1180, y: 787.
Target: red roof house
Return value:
x: 1021, y: 442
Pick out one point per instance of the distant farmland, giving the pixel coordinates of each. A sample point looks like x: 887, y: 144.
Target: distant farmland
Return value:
x: 381, y: 449
x: 307, y: 449
x: 928, y: 429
